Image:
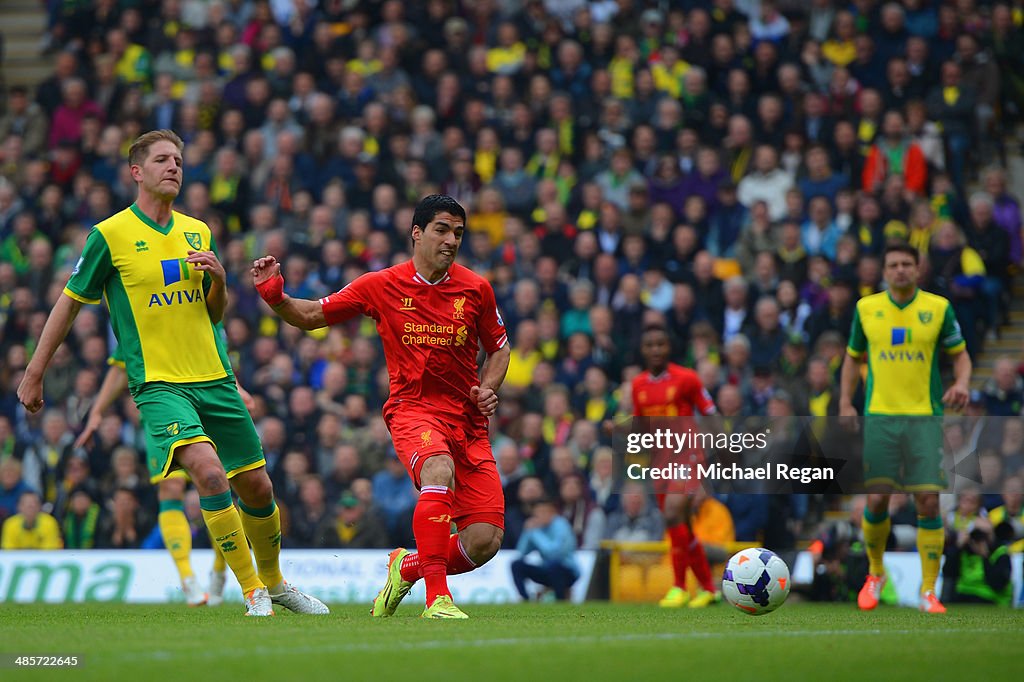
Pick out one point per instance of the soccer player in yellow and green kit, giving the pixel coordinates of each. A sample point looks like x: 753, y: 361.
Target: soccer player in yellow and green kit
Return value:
x: 174, y: 527
x: 166, y: 291
x: 900, y: 333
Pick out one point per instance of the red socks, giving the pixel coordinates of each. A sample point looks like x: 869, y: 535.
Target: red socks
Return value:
x: 700, y: 567
x: 679, y: 537
x: 688, y: 552
x: 458, y: 561
x: 431, y: 524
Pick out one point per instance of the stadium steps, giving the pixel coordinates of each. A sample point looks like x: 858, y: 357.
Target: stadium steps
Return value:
x: 1010, y: 341
x: 23, y: 25
x: 1011, y: 335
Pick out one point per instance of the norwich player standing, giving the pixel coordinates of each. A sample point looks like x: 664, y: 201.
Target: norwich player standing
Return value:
x: 899, y: 333
x: 174, y: 528
x: 165, y: 289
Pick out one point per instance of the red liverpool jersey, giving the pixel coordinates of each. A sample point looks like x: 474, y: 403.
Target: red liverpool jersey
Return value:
x: 431, y: 333
x: 676, y: 392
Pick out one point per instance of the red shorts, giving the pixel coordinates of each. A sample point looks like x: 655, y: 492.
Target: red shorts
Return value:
x: 418, y: 436
x: 664, y: 488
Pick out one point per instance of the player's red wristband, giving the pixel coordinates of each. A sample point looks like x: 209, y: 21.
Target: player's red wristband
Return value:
x: 272, y: 290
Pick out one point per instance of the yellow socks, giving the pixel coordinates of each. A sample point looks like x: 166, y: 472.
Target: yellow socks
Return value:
x: 876, y: 534
x: 225, y: 528
x: 177, y: 535
x: 218, y: 556
x: 931, y: 538
x: 263, y: 528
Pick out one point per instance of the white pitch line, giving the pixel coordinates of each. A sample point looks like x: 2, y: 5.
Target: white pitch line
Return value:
x: 540, y: 641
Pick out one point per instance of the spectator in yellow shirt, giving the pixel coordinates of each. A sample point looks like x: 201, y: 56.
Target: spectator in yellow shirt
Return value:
x: 840, y: 48
x: 712, y: 524
x: 31, y: 528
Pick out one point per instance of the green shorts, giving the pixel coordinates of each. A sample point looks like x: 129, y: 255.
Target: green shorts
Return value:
x: 180, y: 414
x: 904, y: 452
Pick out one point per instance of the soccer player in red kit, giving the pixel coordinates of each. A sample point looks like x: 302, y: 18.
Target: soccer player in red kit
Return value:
x: 432, y: 316
x: 668, y: 390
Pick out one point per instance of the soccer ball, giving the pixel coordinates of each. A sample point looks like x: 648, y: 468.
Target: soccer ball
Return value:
x: 756, y: 581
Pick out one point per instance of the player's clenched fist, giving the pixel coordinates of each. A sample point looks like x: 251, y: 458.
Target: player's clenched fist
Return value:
x: 266, y: 276
x: 30, y: 393
x: 206, y: 261
x: 486, y: 400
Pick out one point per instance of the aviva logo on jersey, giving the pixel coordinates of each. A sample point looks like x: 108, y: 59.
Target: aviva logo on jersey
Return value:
x: 901, y: 336
x: 175, y: 270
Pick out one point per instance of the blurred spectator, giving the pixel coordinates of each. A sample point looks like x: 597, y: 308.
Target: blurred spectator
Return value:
x: 1011, y: 512
x: 977, y: 566
x: 712, y: 525
x: 550, y: 536
x: 25, y: 120
x: 127, y: 524
x: 1004, y: 392
x: 12, y: 485
x: 352, y: 526
x: 308, y: 513
x: 81, y: 521
x: 637, y: 520
x: 394, y: 494
x: 31, y: 527
x: 43, y: 462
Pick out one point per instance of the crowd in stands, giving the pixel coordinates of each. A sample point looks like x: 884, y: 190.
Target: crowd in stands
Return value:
x: 730, y: 169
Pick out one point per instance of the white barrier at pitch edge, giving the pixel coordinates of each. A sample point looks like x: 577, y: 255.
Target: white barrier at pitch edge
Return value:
x: 336, y: 576
x: 149, y: 576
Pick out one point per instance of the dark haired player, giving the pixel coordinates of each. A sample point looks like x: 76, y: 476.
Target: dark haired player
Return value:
x: 666, y: 389
x: 899, y: 333
x: 432, y: 316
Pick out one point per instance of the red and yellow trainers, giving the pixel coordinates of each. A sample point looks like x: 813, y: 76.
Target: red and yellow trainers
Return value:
x: 931, y: 604
x: 871, y: 592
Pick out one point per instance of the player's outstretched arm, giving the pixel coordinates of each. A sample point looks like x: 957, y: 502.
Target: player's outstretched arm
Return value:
x: 30, y: 392
x: 113, y: 385
x: 493, y: 376
x: 298, y: 312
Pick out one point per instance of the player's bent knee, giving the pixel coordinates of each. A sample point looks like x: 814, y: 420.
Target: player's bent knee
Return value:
x: 927, y: 504
x: 482, y: 541
x: 210, y: 480
x: 877, y: 503
x: 254, y: 488
x: 438, y: 470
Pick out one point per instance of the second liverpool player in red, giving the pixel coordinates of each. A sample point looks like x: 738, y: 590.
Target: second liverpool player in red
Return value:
x: 433, y: 316
x: 668, y: 390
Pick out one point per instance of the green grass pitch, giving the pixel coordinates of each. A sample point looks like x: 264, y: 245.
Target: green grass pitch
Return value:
x: 518, y: 642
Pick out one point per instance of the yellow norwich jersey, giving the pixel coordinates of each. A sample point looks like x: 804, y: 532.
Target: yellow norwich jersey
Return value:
x: 157, y: 300
x: 901, y: 344
x: 44, y: 534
